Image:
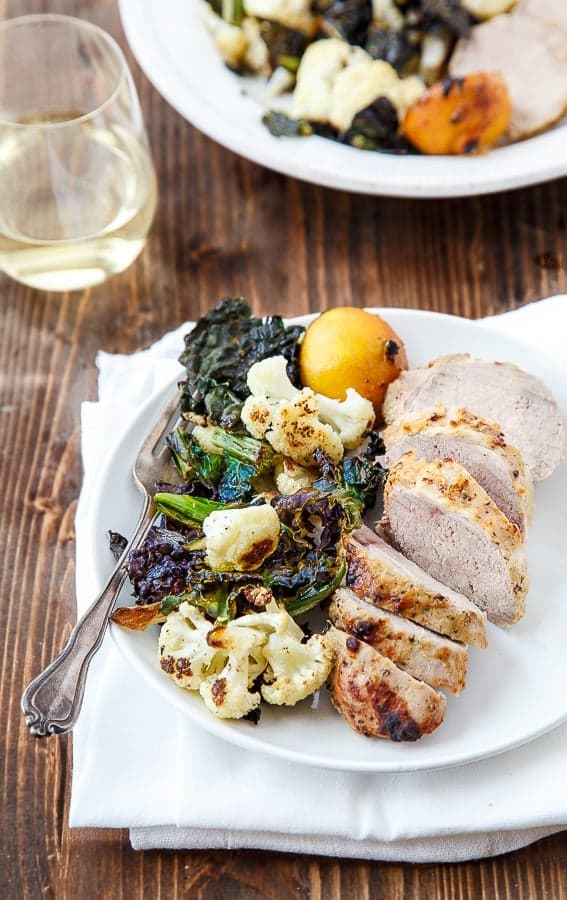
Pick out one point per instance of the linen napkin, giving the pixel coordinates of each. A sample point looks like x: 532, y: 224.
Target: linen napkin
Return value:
x: 141, y: 765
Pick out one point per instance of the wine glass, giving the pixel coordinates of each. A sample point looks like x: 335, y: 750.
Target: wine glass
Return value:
x: 78, y: 188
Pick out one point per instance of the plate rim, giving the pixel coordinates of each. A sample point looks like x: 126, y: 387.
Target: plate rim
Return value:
x: 144, y: 44
x: 222, y: 728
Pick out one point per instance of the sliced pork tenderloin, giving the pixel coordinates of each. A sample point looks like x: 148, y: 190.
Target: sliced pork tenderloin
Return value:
x: 438, y: 661
x: 553, y: 12
x: 440, y: 517
x: 378, y: 699
x: 384, y: 577
x: 531, y: 56
x: 477, y: 444
x: 520, y: 403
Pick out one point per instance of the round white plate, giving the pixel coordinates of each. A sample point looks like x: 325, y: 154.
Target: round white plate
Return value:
x: 176, y: 53
x: 516, y: 688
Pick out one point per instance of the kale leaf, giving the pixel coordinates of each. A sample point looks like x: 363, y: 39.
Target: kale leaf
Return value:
x: 230, y: 472
x: 219, y: 352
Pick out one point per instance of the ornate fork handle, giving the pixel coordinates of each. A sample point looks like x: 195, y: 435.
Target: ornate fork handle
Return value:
x: 52, y: 701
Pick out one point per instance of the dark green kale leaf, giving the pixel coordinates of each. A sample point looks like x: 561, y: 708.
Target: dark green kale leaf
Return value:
x: 355, y: 482
x: 402, y: 49
x: 231, y: 473
x: 308, y: 563
x: 117, y: 543
x: 280, y: 125
x: 285, y: 45
x: 219, y: 352
x: 348, y: 20
x: 450, y: 12
x: 375, y: 127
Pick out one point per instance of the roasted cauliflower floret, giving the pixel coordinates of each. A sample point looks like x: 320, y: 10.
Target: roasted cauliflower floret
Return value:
x: 257, y: 57
x: 352, y: 417
x: 320, y: 64
x: 292, y: 427
x: 291, y: 478
x: 335, y: 81
x: 487, y: 9
x: 297, y: 669
x: 296, y: 422
x: 387, y: 14
x: 360, y: 84
x: 223, y: 663
x: 269, y: 378
x: 230, y: 40
x: 220, y: 663
x: 241, y: 538
x: 184, y: 652
x: 292, y: 13
x: 239, y: 45
x: 228, y: 693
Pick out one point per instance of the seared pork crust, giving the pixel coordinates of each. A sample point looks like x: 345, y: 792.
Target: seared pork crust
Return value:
x: 477, y: 444
x: 376, y: 698
x: 383, y: 576
x: 441, y: 518
x: 520, y: 403
x: 427, y: 656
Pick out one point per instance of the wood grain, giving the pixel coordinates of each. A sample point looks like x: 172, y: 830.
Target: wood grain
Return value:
x: 224, y: 226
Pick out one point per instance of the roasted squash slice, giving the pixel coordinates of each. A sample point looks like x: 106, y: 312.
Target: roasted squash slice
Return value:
x: 460, y: 115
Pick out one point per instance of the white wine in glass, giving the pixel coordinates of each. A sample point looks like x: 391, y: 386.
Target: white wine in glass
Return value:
x: 78, y: 189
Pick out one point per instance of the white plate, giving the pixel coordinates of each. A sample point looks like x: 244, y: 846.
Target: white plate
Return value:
x: 179, y: 58
x: 516, y: 688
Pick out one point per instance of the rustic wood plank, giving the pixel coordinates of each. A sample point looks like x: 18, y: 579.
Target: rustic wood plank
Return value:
x: 224, y: 226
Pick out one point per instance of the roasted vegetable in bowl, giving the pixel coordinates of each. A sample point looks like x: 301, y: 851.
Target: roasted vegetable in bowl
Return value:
x: 355, y: 70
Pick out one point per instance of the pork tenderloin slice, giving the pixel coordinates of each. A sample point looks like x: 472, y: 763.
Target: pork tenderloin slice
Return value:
x: 519, y: 402
x: 554, y: 12
x: 477, y: 444
x: 439, y: 662
x: 384, y: 577
x: 376, y: 698
x: 531, y: 56
x: 440, y: 517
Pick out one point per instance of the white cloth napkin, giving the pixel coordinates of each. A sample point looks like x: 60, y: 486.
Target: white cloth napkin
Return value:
x: 141, y: 765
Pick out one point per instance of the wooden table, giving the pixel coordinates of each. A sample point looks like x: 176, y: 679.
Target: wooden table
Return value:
x: 224, y: 226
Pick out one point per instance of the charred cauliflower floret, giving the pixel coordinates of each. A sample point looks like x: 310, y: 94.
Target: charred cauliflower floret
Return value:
x: 295, y: 667
x: 487, y: 9
x: 387, y: 14
x: 291, y: 478
x: 335, y: 81
x: 221, y: 663
x: 241, y: 46
x: 241, y: 538
x: 352, y: 418
x: 298, y: 669
x: 296, y: 422
x: 230, y: 40
x: 292, y: 427
x: 183, y: 648
x: 320, y: 65
x: 295, y: 14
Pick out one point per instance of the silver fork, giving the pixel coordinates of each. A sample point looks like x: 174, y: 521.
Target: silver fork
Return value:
x: 52, y: 701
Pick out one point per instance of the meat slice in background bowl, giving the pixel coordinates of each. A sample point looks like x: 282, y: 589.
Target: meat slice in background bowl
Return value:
x: 531, y: 55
